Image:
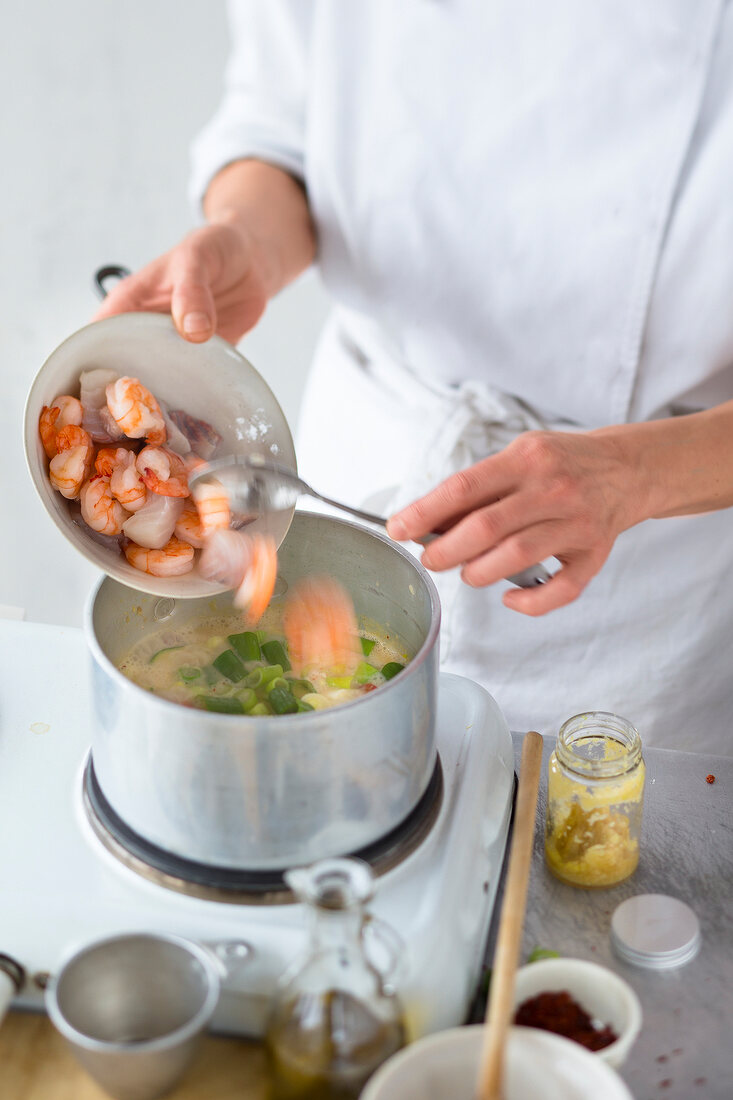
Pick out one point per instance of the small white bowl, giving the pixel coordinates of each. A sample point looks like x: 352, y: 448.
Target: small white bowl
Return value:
x: 211, y: 381
x: 603, y: 995
x: 444, y: 1067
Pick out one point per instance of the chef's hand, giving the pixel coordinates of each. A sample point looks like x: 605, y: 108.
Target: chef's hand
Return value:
x: 547, y: 494
x: 259, y: 237
x: 211, y: 282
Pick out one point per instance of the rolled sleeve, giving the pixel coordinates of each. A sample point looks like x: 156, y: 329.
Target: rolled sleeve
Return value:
x: 262, y: 114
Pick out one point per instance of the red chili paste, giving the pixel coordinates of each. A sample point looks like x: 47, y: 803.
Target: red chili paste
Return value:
x: 558, y: 1012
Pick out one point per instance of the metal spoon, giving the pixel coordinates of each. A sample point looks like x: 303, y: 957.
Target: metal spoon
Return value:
x: 256, y: 485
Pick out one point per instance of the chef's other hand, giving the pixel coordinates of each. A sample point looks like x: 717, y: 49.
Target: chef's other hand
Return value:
x: 547, y: 494
x: 213, y: 281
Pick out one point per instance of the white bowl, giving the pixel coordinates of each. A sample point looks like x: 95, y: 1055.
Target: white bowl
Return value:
x: 603, y: 995
x: 538, y: 1064
x: 211, y: 381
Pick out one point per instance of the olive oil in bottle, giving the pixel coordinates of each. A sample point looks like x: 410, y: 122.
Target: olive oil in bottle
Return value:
x: 334, y: 1020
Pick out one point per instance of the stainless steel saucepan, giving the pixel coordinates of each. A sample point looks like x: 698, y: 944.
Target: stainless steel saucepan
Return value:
x: 271, y: 792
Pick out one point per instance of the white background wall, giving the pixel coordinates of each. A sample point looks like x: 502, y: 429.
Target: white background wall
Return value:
x: 100, y: 103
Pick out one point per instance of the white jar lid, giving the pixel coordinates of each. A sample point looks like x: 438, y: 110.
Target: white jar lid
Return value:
x: 655, y: 931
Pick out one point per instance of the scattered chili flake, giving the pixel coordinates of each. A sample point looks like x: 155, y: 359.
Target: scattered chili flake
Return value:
x: 701, y: 1080
x: 662, y: 1057
x: 710, y: 778
x: 666, y: 1083
x: 558, y: 1012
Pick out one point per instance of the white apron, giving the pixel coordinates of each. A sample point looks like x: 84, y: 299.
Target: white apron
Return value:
x: 646, y: 637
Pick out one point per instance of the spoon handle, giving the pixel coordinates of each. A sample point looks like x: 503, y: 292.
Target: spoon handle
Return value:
x: 501, y: 996
x: 369, y: 517
x: 528, y: 578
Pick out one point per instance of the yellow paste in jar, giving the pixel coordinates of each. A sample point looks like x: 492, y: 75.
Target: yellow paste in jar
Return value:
x: 589, y: 839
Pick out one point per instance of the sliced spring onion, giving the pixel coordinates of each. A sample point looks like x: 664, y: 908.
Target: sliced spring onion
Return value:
x: 316, y: 701
x: 278, y: 682
x: 246, y: 645
x: 339, y: 681
x: 274, y: 652
x: 211, y: 674
x: 271, y: 672
x: 260, y: 708
x: 304, y: 706
x: 247, y: 697
x: 259, y: 677
x: 391, y: 669
x: 538, y: 953
x: 365, y: 672
x: 187, y: 673
x: 221, y: 705
x: 283, y: 701
x: 299, y: 686
x: 367, y: 645
x: 229, y: 665
x: 168, y: 649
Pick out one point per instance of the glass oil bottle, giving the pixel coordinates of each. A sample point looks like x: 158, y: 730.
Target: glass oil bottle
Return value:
x: 334, y: 1020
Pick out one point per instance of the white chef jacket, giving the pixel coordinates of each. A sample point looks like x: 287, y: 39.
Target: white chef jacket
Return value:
x: 525, y: 218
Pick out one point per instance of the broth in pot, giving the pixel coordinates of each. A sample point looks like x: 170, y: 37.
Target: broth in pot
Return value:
x: 213, y: 664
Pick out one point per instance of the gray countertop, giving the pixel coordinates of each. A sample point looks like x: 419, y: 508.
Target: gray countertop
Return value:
x: 685, y: 1049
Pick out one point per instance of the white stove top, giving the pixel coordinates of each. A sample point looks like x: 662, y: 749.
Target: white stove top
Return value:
x: 60, y: 888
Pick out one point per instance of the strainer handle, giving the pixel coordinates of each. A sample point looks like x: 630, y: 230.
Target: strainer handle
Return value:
x: 109, y: 271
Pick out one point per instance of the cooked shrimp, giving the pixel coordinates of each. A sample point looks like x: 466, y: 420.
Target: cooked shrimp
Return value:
x: 47, y: 428
x: 154, y: 523
x: 70, y: 468
x: 109, y: 458
x: 212, y: 504
x: 126, y: 483
x: 188, y: 525
x: 245, y: 562
x: 163, y: 472
x: 118, y: 464
x: 65, y: 410
x: 320, y: 626
x: 255, y: 591
x: 171, y: 560
x: 135, y: 410
x: 226, y: 557
x: 99, y: 509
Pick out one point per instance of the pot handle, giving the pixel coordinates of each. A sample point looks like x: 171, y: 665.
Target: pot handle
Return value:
x: 109, y: 271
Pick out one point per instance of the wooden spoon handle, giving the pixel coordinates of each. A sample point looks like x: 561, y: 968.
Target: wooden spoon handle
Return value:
x: 499, y: 1011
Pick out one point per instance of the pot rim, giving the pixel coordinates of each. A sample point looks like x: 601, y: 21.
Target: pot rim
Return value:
x: 226, y: 721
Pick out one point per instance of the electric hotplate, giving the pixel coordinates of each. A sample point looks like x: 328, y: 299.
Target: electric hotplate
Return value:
x: 62, y: 886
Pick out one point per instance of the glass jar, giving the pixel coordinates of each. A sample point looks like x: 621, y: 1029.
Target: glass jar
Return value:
x: 595, y: 793
x: 334, y: 1020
